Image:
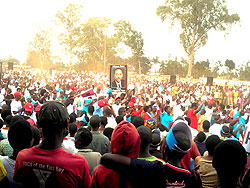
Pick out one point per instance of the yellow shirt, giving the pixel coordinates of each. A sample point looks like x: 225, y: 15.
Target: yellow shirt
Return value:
x: 202, y: 118
x: 3, y: 172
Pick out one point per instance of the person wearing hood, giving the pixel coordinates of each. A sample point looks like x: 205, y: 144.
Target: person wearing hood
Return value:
x: 125, y: 140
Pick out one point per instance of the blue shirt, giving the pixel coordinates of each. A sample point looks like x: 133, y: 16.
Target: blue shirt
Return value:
x: 166, y: 119
x: 97, y: 110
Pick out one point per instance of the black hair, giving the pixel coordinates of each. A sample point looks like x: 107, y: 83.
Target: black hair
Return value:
x: 166, y: 108
x: 201, y: 137
x: 146, y: 137
x: 107, y: 111
x: 206, y: 125
x: 91, y: 109
x: 156, y: 140
x: 72, y: 117
x: 119, y: 119
x: 42, y: 92
x: 15, y: 118
x: 72, y: 129
x: 1, y: 123
x: 188, y: 120
x: 5, y: 113
x: 19, y: 135
x: 95, y: 122
x: 108, y: 132
x: 104, y: 120
x: 228, y: 155
x: 226, y: 130
x: 211, y: 142
x: 145, y: 108
x: 138, y: 121
x: 83, y: 138
x: 35, y: 135
x: 194, y: 105
x: 132, y: 118
x: 8, y: 120
x: 118, y: 69
x: 121, y: 110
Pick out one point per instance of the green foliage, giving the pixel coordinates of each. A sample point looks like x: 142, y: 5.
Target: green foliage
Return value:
x: 39, y: 52
x: 10, y: 59
x: 196, y: 18
x: 230, y: 64
x: 173, y: 67
x: 244, y: 71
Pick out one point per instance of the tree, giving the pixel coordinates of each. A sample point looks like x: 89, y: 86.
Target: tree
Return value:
x: 230, y: 64
x: 196, y: 18
x: 244, y: 72
x: 39, y: 51
x: 133, y: 39
x: 69, y: 19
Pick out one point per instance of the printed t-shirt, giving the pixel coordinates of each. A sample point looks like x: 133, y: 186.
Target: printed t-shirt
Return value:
x: 36, y: 167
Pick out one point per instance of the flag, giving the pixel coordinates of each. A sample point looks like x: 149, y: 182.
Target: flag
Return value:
x: 88, y: 93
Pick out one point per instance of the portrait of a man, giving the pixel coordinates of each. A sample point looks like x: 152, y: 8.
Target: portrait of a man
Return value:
x: 118, y: 77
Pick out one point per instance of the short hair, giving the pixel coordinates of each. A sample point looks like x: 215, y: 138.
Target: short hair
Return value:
x: 156, y: 140
x: 107, y: 111
x: 72, y: 129
x: 8, y: 120
x: 166, y: 108
x: 188, y: 120
x: 20, y: 135
x: 118, y: 69
x: 108, y: 132
x: 5, y: 113
x: 146, y: 137
x: 1, y: 123
x: 201, y: 137
x: 95, y: 121
x: 133, y: 117
x: 72, y: 117
x: 104, y: 120
x: 211, y: 142
x: 228, y: 155
x: 91, y: 109
x: 145, y: 108
x: 194, y: 104
x: 83, y: 138
x: 35, y: 135
x: 138, y: 121
x: 121, y: 110
x: 15, y: 118
x: 226, y: 130
x: 206, y: 125
x: 119, y: 119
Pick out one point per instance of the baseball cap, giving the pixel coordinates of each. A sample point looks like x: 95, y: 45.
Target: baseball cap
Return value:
x: 28, y: 107
x: 173, y: 144
x: 17, y: 94
x: 54, y: 111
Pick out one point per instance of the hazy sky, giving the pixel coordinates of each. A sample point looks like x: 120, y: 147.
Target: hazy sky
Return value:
x: 20, y: 20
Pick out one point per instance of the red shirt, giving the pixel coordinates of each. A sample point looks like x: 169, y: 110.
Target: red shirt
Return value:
x: 137, y: 113
x: 36, y: 167
x: 146, y: 116
x: 193, y: 117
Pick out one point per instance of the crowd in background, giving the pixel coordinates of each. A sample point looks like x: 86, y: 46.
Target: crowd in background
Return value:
x: 70, y: 129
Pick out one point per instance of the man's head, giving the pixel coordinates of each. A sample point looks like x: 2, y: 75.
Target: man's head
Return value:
x: 20, y: 136
x: 83, y: 138
x: 118, y: 74
x: 108, y: 132
x: 168, y: 109
x: 211, y: 142
x: 107, y: 111
x: 17, y: 95
x: 206, y: 125
x: 104, y: 121
x: 52, y: 118
x: 203, y: 112
x: 200, y: 137
x: 224, y: 132
x: 72, y: 129
x: 138, y: 121
x: 119, y: 119
x: 91, y: 109
x: 146, y: 137
x: 228, y: 155
x: 194, y: 106
x: 122, y: 111
x: 95, y: 122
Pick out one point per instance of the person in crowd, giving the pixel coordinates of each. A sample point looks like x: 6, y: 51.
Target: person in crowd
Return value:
x: 62, y: 169
x: 108, y: 132
x: 166, y: 117
x: 100, y: 143
x: 200, y: 142
x: 207, y: 172
x: 83, y: 138
x: 206, y: 127
x: 142, y: 173
x: 69, y: 140
x: 201, y: 119
x: 192, y: 115
x: 233, y: 153
x: 155, y: 145
x: 104, y: 122
x: 126, y: 141
x: 138, y: 121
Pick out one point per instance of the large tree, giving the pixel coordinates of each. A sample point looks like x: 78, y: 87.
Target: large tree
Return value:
x: 69, y: 19
x: 196, y: 19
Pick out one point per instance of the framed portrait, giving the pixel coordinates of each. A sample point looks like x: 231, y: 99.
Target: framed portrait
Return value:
x: 118, y: 77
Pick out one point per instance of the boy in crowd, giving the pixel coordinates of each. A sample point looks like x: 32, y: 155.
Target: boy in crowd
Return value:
x: 48, y: 165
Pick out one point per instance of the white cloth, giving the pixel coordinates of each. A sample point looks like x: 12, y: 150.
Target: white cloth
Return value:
x: 15, y: 106
x: 215, y: 129
x: 69, y: 145
x: 116, y: 108
x: 208, y: 114
x: 111, y: 122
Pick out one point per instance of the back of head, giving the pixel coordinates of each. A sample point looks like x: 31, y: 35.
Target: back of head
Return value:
x: 104, y: 121
x: 1, y: 123
x: 188, y: 120
x: 125, y: 140
x: 95, y: 121
x: 91, y: 109
x: 72, y: 117
x: 146, y: 137
x: 119, y: 119
x: 5, y: 113
x: 211, y: 142
x: 178, y: 140
x: 15, y: 118
x: 83, y: 138
x: 35, y: 135
x: 225, y: 131
x: 20, y: 135
x: 107, y: 111
x: 8, y: 120
x: 138, y: 121
x: 229, y: 160
x: 206, y: 125
x: 108, y: 132
x: 156, y: 140
x: 201, y: 137
x: 72, y: 129
x: 52, y: 118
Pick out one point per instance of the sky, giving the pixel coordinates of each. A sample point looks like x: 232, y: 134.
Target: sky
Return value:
x: 21, y: 20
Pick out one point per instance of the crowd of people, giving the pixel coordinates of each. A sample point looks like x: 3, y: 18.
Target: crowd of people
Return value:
x: 70, y: 129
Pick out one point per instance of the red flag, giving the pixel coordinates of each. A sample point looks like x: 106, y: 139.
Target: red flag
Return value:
x: 88, y: 93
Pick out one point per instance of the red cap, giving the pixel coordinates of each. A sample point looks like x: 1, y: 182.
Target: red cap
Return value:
x: 17, y: 94
x: 102, y: 103
x: 28, y: 107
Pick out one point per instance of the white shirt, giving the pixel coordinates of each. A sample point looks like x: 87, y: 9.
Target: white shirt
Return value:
x: 209, y: 113
x: 116, y: 108
x: 215, y: 129
x: 111, y: 122
x: 15, y: 106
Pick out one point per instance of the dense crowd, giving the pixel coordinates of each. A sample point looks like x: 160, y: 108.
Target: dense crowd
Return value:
x: 70, y: 129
